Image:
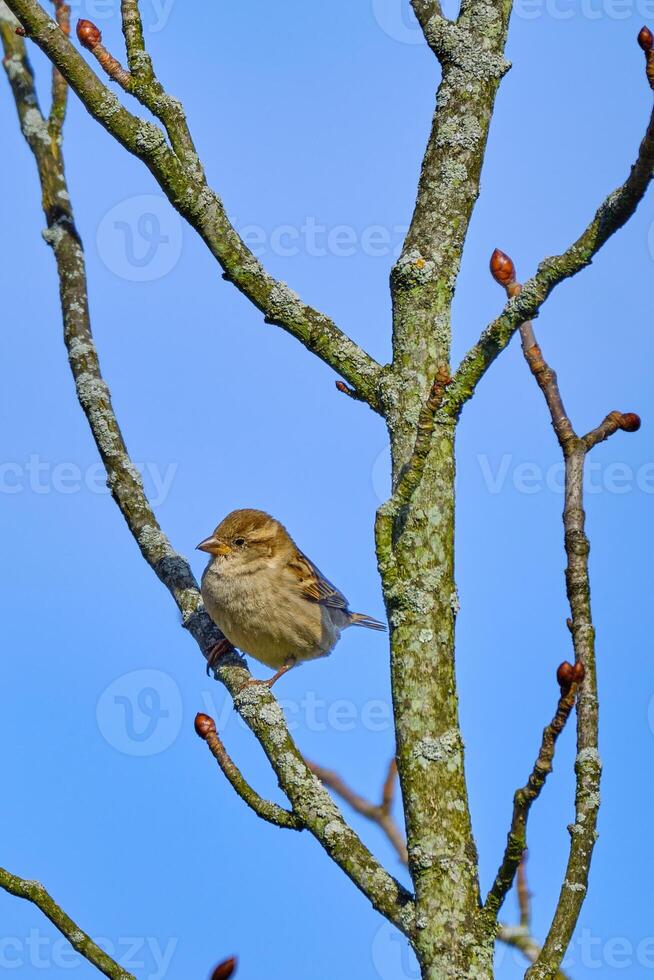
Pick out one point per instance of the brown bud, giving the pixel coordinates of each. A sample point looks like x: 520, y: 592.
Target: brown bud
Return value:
x: 502, y: 268
x: 630, y: 422
x: 645, y: 39
x: 565, y: 675
x: 20, y: 31
x: 569, y: 624
x: 204, y: 725
x: 88, y: 34
x: 225, y: 969
x: 578, y: 672
x: 341, y: 386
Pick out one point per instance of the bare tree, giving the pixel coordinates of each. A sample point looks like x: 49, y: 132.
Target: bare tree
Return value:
x: 450, y: 925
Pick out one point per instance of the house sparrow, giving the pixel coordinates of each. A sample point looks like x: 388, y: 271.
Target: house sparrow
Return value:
x: 268, y: 598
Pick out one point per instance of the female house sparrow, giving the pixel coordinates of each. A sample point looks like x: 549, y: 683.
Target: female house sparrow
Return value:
x: 268, y: 598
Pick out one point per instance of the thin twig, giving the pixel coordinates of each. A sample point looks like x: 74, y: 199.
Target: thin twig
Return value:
x: 523, y: 893
x: 33, y: 891
x: 142, y: 83
x: 205, y: 727
x: 59, y: 84
x: 378, y: 813
x: 90, y: 38
x: 388, y: 789
x: 138, y: 59
x: 524, y: 799
x: 625, y: 421
x: 520, y: 938
x: 577, y: 547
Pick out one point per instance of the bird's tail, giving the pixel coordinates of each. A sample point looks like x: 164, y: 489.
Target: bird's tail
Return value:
x: 360, y: 619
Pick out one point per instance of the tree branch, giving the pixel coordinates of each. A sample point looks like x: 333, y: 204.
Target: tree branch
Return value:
x: 33, y: 891
x: 379, y: 813
x: 518, y: 937
x: 611, y: 215
x: 182, y: 180
x: 430, y: 17
x: 528, y: 794
x: 412, y: 473
x: 523, y: 893
x: 205, y: 727
x: 59, y: 86
x: 577, y: 547
x: 425, y: 10
x: 415, y: 530
x: 256, y: 705
x: 138, y: 59
x: 142, y: 82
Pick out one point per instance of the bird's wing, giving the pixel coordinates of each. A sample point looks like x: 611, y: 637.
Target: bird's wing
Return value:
x: 313, y: 585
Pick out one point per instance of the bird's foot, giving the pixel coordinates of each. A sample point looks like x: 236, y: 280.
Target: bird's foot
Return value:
x: 218, y: 650
x: 275, y: 677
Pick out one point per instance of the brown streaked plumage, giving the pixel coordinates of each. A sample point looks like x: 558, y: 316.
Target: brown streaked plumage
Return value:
x: 268, y: 598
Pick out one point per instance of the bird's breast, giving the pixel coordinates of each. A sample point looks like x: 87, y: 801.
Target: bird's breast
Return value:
x: 265, y: 618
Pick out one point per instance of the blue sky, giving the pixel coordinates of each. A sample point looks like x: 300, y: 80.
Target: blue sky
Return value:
x: 311, y: 120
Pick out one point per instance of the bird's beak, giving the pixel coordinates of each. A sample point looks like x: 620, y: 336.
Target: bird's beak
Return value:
x: 214, y: 546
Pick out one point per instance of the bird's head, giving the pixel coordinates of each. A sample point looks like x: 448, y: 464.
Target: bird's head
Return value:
x: 245, y: 536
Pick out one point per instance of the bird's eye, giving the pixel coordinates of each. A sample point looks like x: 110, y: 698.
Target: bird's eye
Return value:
x: 239, y: 542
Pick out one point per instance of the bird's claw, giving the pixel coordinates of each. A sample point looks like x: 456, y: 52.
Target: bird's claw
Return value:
x: 275, y: 677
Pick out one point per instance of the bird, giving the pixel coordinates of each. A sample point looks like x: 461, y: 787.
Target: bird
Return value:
x: 267, y: 598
